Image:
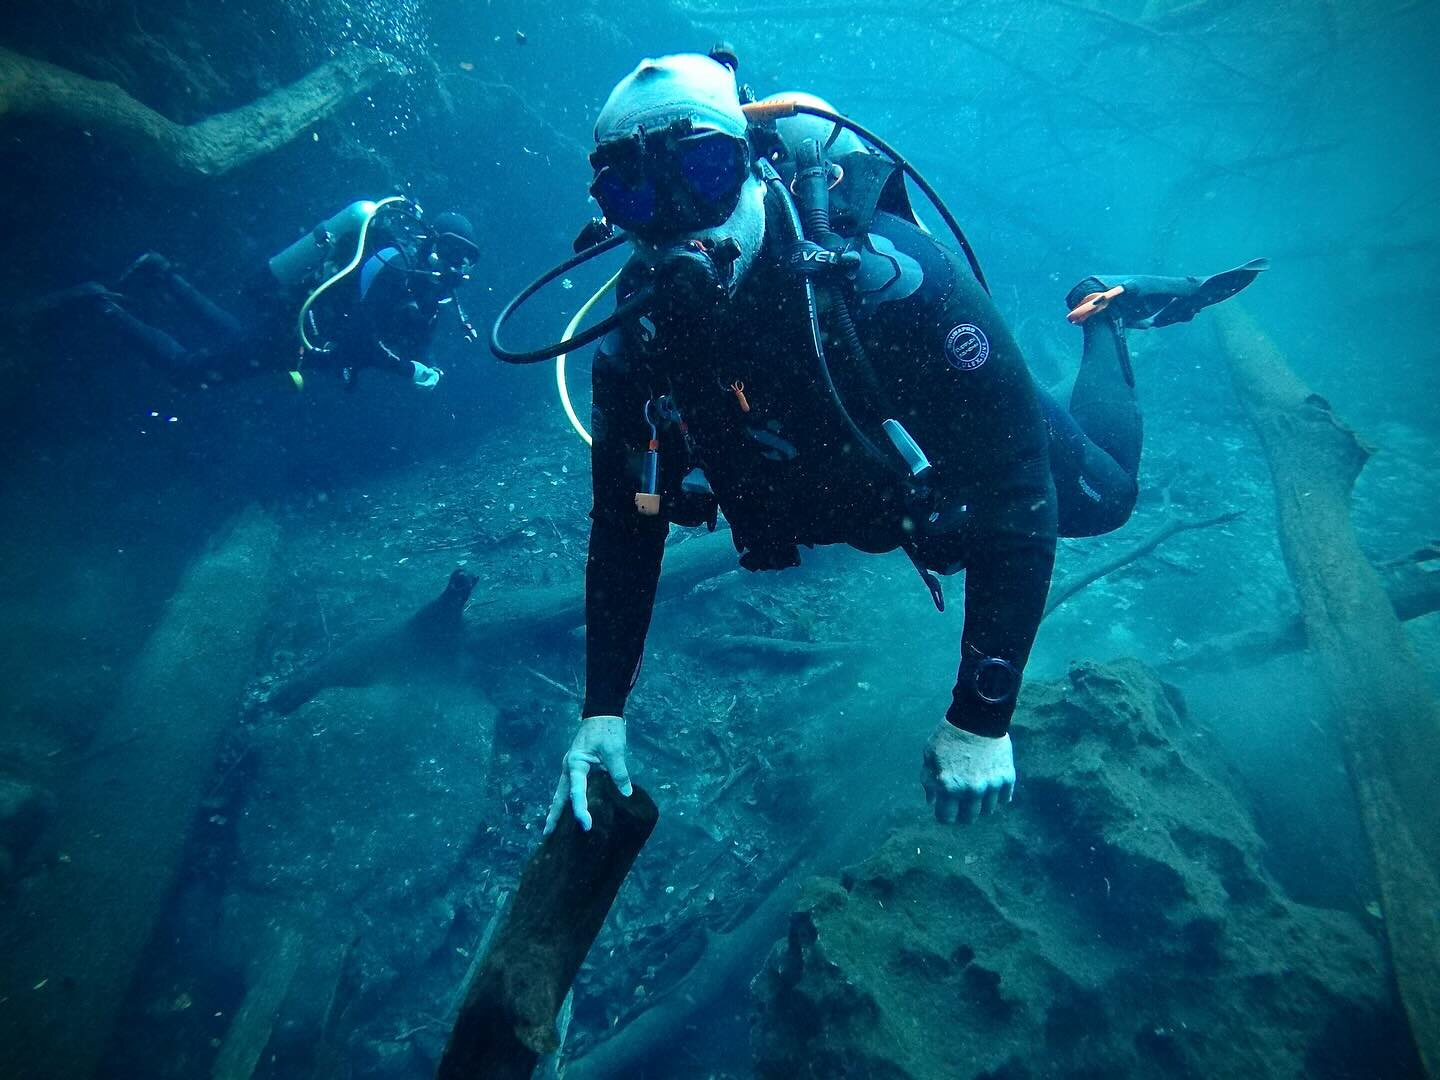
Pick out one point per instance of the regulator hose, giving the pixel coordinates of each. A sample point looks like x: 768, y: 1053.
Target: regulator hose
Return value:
x: 630, y: 309
x: 778, y: 110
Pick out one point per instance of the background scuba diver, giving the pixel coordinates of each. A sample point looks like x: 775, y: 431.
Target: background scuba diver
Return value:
x: 368, y: 286
x: 985, y: 470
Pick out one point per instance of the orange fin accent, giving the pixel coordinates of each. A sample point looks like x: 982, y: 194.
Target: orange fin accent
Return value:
x: 1096, y: 301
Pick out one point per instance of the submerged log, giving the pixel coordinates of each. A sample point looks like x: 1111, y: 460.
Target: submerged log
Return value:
x: 250, y: 1031
x: 773, y: 651
x: 330, y: 1047
x: 1385, y: 707
x: 432, y: 633
x: 1412, y: 584
x: 73, y: 935
x: 531, y: 614
x: 61, y: 98
x: 508, y: 1020
x: 558, y: 609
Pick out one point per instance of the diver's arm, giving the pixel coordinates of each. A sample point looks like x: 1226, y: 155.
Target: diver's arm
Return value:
x: 1006, y: 583
x: 621, y: 572
x: 966, y: 395
x: 387, y: 359
x: 377, y: 339
x: 626, y: 547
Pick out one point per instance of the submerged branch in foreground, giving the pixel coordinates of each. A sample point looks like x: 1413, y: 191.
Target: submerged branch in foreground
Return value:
x: 59, y: 97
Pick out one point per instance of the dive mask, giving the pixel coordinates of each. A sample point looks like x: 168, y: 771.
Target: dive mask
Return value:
x: 677, y: 179
x: 453, y: 254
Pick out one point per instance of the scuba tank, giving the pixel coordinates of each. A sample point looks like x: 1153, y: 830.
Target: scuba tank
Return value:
x: 303, y: 259
x: 356, y: 221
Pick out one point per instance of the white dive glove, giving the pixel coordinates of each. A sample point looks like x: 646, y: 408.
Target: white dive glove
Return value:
x: 600, y: 743
x: 425, y: 377
x: 966, y: 775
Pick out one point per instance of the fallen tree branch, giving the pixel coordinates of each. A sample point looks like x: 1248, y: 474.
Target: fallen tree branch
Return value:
x: 73, y: 940
x: 555, y: 610
x: 1171, y: 526
x: 568, y: 691
x: 432, y: 635
x: 783, y: 651
x: 1382, y: 699
x: 61, y: 98
x: 507, y: 1021
x: 254, y: 1023
x: 1141, y: 34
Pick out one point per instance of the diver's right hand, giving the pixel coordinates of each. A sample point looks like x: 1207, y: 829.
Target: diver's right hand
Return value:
x: 600, y: 742
x: 425, y: 377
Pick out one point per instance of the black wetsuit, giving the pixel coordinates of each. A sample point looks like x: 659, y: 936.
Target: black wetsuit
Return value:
x: 787, y: 472
x: 382, y: 317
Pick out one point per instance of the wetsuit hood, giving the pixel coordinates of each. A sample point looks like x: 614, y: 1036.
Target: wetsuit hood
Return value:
x: 661, y: 91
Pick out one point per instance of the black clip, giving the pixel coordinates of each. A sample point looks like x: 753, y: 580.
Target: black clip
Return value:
x: 937, y: 594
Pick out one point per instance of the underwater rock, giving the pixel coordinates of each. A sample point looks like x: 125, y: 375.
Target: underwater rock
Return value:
x: 1117, y: 920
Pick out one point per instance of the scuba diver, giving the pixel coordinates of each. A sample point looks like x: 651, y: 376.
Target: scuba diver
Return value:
x: 364, y: 289
x: 714, y: 388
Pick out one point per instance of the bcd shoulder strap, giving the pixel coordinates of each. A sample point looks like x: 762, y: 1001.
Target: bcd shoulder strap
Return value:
x: 869, y: 184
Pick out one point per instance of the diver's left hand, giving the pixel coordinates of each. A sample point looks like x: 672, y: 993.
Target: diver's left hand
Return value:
x: 426, y: 378
x: 966, y: 775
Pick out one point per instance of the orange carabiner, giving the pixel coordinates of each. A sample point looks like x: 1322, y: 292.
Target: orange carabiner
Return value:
x: 1096, y: 301
x: 739, y: 390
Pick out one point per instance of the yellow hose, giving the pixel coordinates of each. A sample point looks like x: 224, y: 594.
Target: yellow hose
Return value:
x: 560, y: 360
x: 359, y: 254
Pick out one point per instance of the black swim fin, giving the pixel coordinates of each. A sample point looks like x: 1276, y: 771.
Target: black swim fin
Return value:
x: 1143, y: 301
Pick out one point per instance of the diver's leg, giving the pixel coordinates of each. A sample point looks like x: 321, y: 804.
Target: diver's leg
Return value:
x: 158, y: 347
x: 1093, y: 494
x: 1095, y: 444
x: 1103, y: 399
x: 1142, y: 301
x: 209, y: 314
x: 159, y: 272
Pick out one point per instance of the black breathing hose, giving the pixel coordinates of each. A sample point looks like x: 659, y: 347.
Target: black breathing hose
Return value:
x: 634, y: 307
x: 909, y: 170
x: 797, y: 236
x: 811, y: 186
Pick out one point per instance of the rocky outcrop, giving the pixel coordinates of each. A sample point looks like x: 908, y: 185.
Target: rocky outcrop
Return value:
x: 1117, y: 921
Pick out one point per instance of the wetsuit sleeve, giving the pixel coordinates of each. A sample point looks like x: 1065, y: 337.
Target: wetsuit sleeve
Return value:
x: 968, y: 399
x: 626, y: 547
x: 1007, y: 578
x: 1010, y: 525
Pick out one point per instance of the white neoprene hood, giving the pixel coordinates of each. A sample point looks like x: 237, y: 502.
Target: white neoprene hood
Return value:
x: 665, y: 89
